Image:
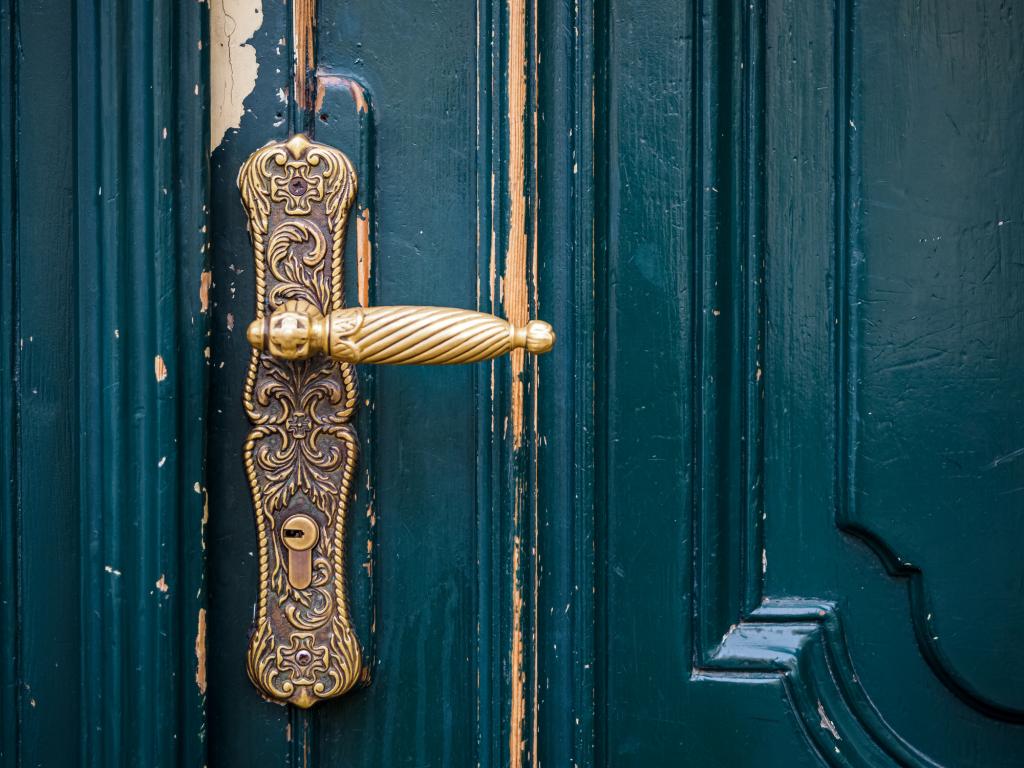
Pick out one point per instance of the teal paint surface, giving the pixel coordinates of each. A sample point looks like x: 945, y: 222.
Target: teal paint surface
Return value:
x: 104, y: 199
x: 771, y: 511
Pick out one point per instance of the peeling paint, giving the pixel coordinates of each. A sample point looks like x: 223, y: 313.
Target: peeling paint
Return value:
x: 159, y: 368
x: 827, y: 724
x: 515, y: 287
x: 205, y: 280
x: 517, y: 715
x: 233, y: 65
x: 514, y: 290
x: 355, y: 88
x: 364, y: 256
x: 201, y: 652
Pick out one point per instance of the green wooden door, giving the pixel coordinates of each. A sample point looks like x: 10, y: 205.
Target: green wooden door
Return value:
x: 763, y: 503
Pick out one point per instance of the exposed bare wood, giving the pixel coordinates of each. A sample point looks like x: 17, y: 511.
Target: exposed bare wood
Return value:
x: 201, y: 651
x: 233, y: 65
x: 515, y: 299
x: 303, y: 37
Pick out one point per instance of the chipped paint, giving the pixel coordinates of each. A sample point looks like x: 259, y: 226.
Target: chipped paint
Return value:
x: 517, y: 714
x: 205, y: 519
x: 514, y: 286
x: 161, y: 583
x: 233, y: 65
x: 159, y: 368
x: 364, y: 246
x: 364, y: 256
x: 827, y: 724
x: 355, y: 88
x: 205, y: 280
x: 514, y: 291
x: 201, y: 652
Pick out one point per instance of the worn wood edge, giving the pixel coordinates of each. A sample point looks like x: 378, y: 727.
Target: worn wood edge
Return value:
x: 515, y: 289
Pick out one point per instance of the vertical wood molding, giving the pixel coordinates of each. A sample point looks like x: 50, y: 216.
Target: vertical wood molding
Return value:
x: 9, y: 535
x: 102, y: 330
x: 101, y: 309
x: 507, y: 442
x: 569, y: 185
x: 730, y: 559
x: 141, y: 183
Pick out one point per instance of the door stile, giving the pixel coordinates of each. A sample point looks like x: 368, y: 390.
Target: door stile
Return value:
x: 568, y: 237
x: 10, y: 730
x: 508, y: 441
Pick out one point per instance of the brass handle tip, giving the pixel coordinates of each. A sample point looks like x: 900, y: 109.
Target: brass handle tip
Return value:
x: 254, y: 333
x: 540, y: 337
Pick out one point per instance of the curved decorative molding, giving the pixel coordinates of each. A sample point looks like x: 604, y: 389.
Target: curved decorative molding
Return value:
x: 799, y: 639
x: 847, y: 376
x: 803, y: 641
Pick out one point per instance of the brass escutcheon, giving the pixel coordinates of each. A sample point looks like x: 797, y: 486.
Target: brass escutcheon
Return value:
x: 300, y: 395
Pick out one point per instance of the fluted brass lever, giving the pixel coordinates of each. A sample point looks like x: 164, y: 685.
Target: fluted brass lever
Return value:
x: 394, y: 335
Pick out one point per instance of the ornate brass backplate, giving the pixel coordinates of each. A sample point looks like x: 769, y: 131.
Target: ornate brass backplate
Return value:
x: 301, y: 453
x: 300, y: 394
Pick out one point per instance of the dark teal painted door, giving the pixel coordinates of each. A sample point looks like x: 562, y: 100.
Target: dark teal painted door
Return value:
x: 762, y: 505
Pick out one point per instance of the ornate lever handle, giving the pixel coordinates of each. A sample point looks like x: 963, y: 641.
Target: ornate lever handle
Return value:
x: 394, y: 335
x: 300, y: 455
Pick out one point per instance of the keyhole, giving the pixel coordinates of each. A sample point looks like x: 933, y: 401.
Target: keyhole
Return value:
x: 299, y: 534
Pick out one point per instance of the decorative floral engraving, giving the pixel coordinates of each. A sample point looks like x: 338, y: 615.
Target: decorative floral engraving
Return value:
x: 300, y: 455
x: 298, y: 189
x: 301, y: 660
x: 298, y: 425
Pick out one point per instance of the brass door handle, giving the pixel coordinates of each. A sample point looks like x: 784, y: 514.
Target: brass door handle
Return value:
x: 300, y: 396
x: 394, y: 335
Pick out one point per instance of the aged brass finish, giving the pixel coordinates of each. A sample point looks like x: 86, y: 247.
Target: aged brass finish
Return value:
x: 300, y: 394
x: 300, y: 455
x: 299, y: 534
x: 394, y: 335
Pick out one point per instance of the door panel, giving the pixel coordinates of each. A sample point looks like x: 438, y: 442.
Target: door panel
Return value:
x: 718, y: 523
x: 839, y: 383
x: 761, y: 504
x: 937, y: 415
